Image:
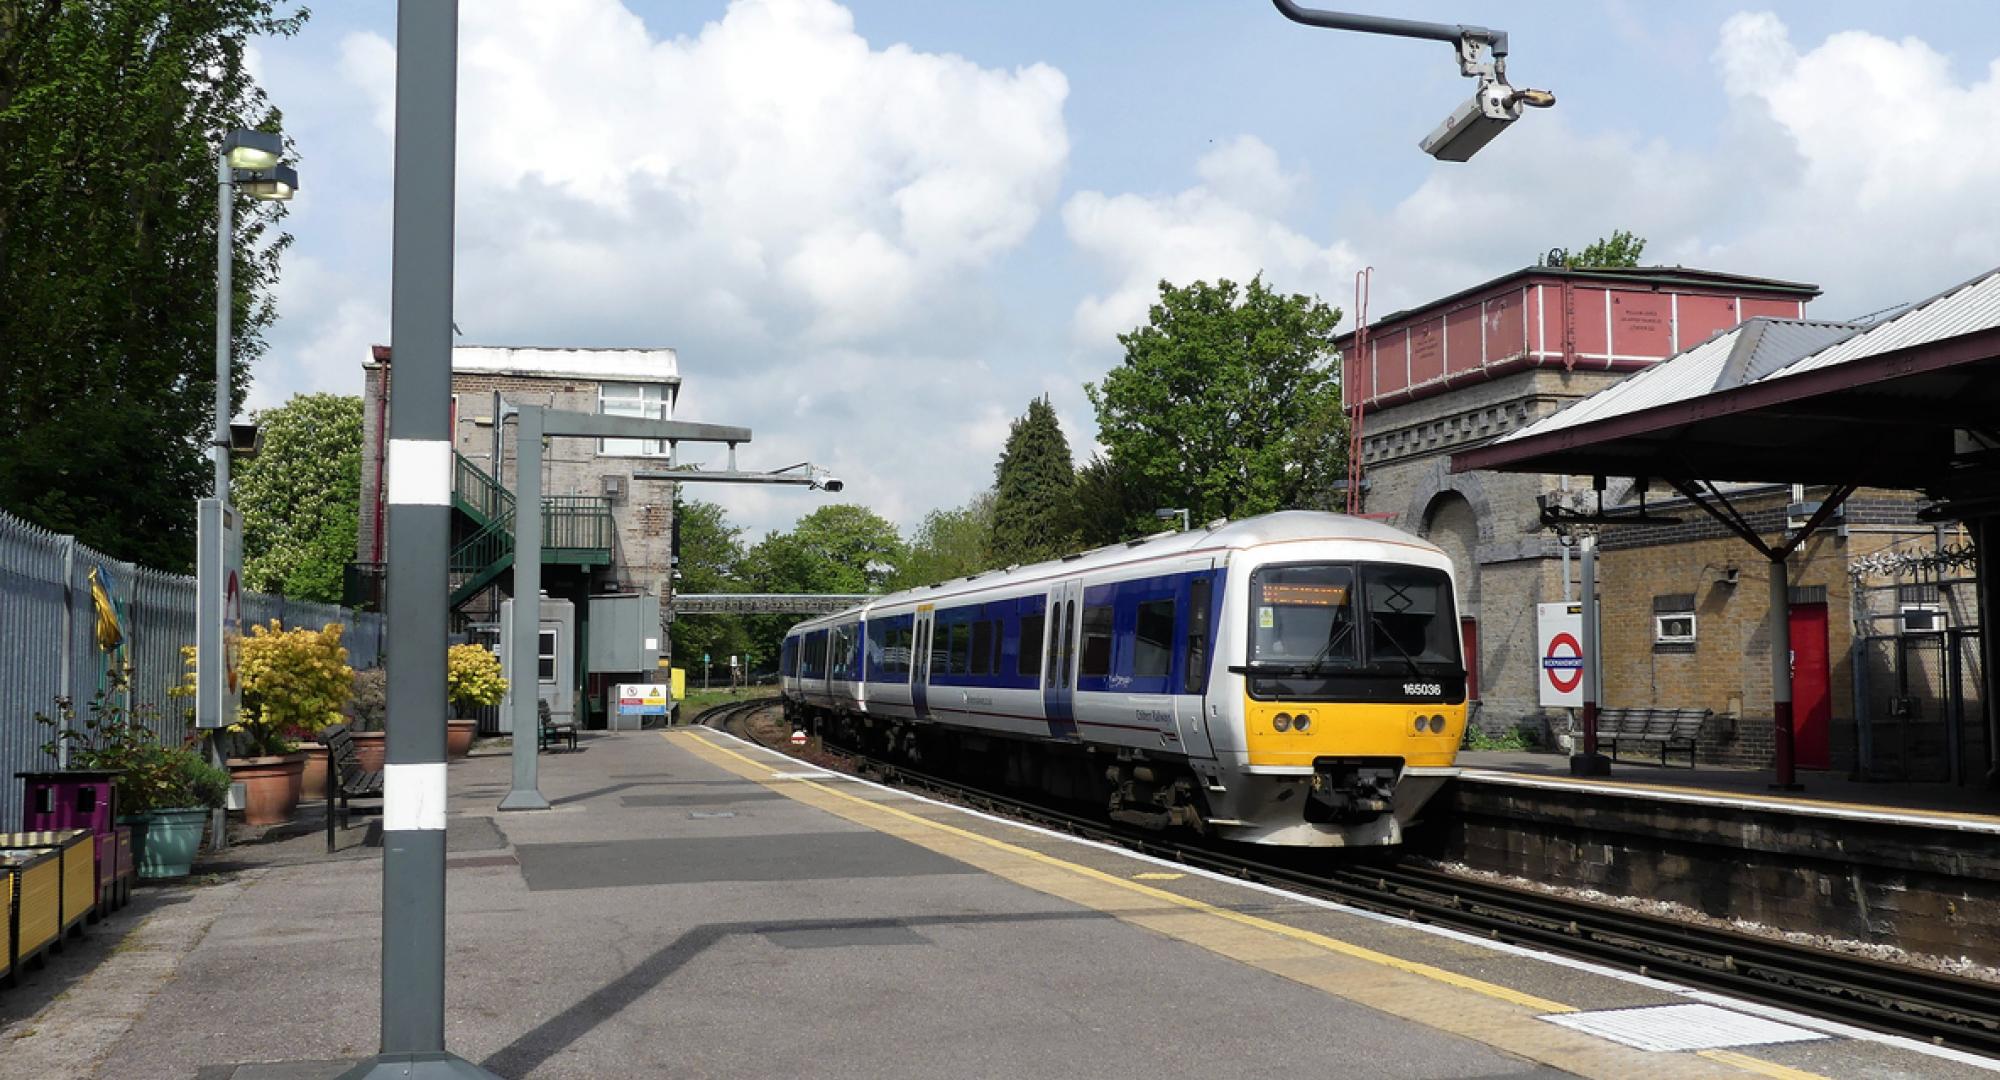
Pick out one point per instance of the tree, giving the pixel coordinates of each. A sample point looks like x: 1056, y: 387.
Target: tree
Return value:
x: 949, y: 544
x: 1111, y: 504
x: 111, y: 113
x: 835, y: 549
x: 710, y: 554
x: 1033, y: 491
x: 1227, y: 402
x: 1620, y: 249
x: 300, y: 497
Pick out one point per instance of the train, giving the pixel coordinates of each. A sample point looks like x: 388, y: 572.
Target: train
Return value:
x: 1294, y: 679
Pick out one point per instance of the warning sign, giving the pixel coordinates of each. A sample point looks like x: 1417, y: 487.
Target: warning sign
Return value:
x: 1559, y: 638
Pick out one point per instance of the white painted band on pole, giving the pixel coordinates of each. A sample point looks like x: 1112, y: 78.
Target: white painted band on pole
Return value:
x: 413, y: 797
x: 420, y: 472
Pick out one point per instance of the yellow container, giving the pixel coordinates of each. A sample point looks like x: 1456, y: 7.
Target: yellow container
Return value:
x: 76, y: 852
x: 35, y: 880
x: 6, y: 925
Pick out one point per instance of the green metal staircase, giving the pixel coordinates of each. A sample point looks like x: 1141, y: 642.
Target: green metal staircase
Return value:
x: 577, y: 530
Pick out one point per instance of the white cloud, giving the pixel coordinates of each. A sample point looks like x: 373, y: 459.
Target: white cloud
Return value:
x: 1228, y: 226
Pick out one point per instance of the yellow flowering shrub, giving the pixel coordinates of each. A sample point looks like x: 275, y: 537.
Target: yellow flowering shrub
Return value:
x: 295, y: 682
x: 472, y: 676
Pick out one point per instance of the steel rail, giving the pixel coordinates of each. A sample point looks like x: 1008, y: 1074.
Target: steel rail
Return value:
x: 1895, y: 999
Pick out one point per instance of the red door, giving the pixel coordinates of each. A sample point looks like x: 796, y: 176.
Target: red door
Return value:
x: 1812, y: 703
x: 1468, y: 629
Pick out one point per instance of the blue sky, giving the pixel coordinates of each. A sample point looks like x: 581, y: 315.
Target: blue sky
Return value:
x: 875, y: 230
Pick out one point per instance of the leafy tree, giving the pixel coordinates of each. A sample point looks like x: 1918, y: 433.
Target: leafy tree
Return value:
x: 835, y: 549
x: 1620, y: 249
x: 1111, y: 504
x: 711, y: 554
x: 1033, y: 494
x: 1227, y: 402
x: 111, y: 113
x: 301, y: 496
x: 949, y: 544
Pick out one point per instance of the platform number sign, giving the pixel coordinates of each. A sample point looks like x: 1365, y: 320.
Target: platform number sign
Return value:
x: 1559, y: 638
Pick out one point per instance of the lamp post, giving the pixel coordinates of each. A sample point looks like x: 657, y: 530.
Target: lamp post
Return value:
x: 247, y: 161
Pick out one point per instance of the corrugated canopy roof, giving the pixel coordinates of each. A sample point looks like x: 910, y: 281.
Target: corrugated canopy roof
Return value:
x: 1788, y: 400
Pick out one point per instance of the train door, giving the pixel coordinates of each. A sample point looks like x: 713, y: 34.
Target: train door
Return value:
x: 1197, y: 648
x: 920, y: 662
x: 1059, y: 662
x: 1812, y: 703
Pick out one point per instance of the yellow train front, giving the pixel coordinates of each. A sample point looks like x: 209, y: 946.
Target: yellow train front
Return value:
x: 1344, y: 683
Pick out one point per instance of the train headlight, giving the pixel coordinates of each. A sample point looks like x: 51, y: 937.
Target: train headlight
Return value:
x: 1437, y: 724
x: 1282, y: 721
x: 1421, y: 722
x: 1301, y: 723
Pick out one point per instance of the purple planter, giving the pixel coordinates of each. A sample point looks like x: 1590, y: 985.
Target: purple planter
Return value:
x: 84, y: 799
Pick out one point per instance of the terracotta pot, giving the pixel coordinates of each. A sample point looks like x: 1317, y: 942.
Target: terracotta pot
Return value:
x: 458, y: 738
x: 312, y: 787
x: 371, y: 748
x: 270, y: 787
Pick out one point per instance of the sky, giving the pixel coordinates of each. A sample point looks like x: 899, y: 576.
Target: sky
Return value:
x: 874, y: 231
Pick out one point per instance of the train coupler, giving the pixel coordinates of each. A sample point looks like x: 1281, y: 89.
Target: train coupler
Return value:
x: 1353, y: 789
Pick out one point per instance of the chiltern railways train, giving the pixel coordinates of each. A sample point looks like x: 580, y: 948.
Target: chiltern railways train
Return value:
x: 1292, y: 679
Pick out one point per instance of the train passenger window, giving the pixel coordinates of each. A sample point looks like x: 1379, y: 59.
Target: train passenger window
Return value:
x: 958, y: 648
x: 1153, y: 649
x: 896, y: 653
x: 1194, y: 667
x: 1096, y: 641
x: 1030, y: 662
x: 982, y: 647
x: 843, y: 653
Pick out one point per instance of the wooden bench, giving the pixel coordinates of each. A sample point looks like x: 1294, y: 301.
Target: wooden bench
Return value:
x: 345, y: 778
x: 553, y: 732
x: 1668, y: 729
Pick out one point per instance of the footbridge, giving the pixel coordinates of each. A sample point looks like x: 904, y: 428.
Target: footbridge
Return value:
x: 764, y: 603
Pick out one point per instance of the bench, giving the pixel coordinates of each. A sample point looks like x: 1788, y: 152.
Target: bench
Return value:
x: 345, y: 778
x: 1668, y: 729
x: 553, y: 732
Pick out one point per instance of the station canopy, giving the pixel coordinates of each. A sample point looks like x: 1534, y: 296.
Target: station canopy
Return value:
x: 1909, y: 401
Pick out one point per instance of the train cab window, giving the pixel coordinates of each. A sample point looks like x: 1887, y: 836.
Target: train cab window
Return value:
x: 1409, y: 615
x: 1096, y: 659
x: 1194, y: 666
x: 1303, y: 614
x: 982, y: 647
x: 1030, y: 662
x: 1153, y: 645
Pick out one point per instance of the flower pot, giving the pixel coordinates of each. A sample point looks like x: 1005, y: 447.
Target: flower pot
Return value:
x: 371, y: 748
x: 312, y: 786
x: 164, y: 841
x: 270, y: 787
x: 458, y: 738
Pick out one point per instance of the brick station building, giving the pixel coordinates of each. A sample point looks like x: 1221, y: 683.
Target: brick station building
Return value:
x: 1471, y: 367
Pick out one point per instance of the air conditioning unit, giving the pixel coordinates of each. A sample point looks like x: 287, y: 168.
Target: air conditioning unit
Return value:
x: 614, y: 487
x: 1920, y: 619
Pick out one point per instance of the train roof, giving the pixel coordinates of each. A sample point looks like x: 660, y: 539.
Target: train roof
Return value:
x: 1284, y: 525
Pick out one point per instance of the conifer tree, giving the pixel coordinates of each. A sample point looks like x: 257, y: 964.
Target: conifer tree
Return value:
x: 1033, y: 492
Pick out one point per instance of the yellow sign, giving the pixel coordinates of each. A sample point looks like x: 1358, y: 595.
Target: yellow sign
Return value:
x: 680, y: 683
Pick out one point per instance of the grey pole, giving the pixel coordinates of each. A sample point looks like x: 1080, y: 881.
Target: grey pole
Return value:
x: 225, y: 304
x: 1590, y: 762
x: 525, y: 678
x: 419, y: 481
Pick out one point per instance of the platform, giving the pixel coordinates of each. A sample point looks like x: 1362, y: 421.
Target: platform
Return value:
x: 694, y: 906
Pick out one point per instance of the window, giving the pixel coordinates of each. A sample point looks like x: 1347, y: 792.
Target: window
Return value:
x: 1030, y: 662
x: 1673, y: 622
x: 545, y: 657
x: 1303, y: 614
x: 843, y: 653
x: 1096, y: 660
x: 1153, y: 648
x: 650, y: 401
x: 983, y: 640
x: 958, y: 648
x: 812, y: 656
x: 1194, y: 666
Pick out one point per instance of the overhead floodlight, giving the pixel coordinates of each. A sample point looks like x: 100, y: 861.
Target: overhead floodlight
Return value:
x: 253, y: 149
x: 1475, y: 123
x: 275, y: 184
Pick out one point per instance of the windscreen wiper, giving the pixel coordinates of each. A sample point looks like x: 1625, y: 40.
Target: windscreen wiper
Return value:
x: 1376, y: 622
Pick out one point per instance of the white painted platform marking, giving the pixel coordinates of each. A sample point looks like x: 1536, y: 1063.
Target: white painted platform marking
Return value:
x: 1682, y: 1027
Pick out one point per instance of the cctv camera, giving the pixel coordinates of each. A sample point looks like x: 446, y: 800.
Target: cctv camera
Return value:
x: 832, y: 483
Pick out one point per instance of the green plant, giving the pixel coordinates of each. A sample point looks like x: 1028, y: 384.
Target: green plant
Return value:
x: 472, y: 676
x: 151, y: 776
x: 368, y: 709
x: 174, y: 778
x: 295, y: 682
x: 1511, y: 739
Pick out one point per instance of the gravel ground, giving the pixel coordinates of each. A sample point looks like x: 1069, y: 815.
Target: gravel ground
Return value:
x: 1669, y: 910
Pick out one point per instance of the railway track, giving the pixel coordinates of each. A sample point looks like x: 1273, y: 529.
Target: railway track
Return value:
x: 1892, y: 998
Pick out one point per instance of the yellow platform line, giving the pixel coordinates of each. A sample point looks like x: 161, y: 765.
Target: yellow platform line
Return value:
x: 1757, y: 1065
x: 1551, y: 1045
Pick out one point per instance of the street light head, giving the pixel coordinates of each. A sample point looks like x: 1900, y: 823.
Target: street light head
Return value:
x: 245, y: 439
x: 832, y: 484
x: 1474, y: 124
x: 276, y: 184
x: 253, y: 149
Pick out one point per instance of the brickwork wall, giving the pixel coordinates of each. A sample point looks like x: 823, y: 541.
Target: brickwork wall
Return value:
x: 642, y: 548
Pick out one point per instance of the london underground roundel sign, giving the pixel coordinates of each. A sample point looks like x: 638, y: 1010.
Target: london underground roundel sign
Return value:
x: 1563, y: 665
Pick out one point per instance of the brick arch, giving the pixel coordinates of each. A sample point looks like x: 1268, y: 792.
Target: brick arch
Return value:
x: 1438, y: 482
